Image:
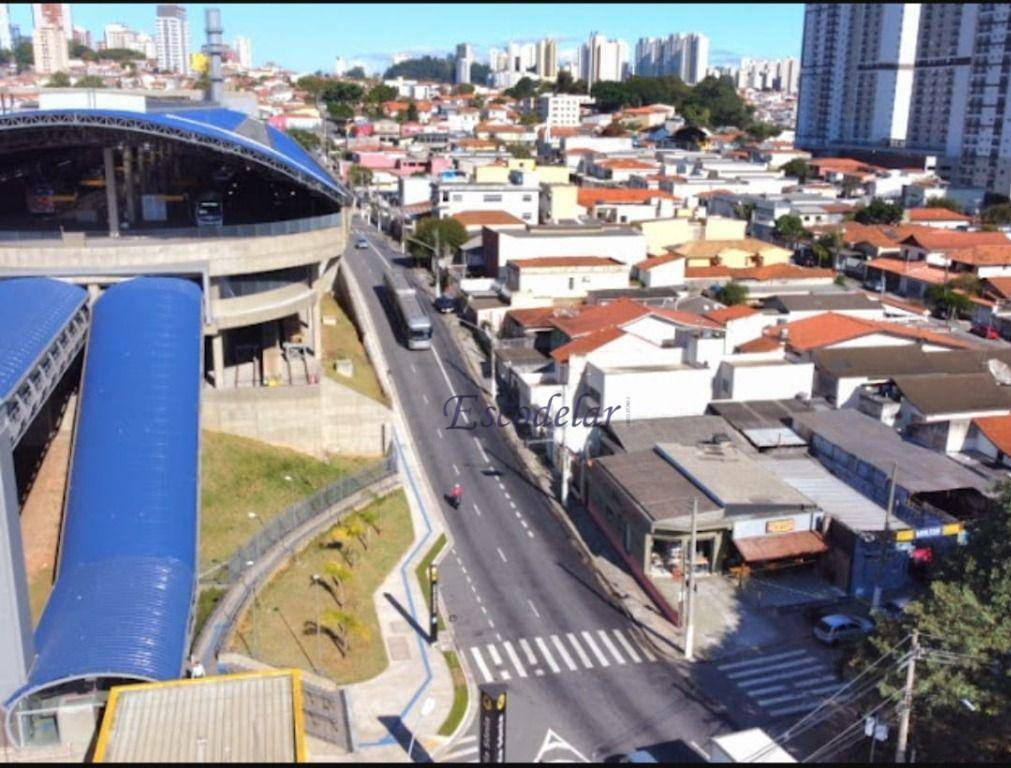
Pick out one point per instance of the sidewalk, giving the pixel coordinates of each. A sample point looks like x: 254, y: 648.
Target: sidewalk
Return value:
x: 386, y: 710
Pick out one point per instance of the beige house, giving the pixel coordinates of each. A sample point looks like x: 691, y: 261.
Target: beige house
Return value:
x: 662, y: 233
x: 733, y: 254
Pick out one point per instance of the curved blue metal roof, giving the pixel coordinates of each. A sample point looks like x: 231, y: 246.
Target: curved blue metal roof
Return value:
x: 127, y: 572
x: 212, y: 123
x: 33, y: 311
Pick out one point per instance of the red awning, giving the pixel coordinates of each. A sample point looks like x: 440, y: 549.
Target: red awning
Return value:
x: 758, y: 549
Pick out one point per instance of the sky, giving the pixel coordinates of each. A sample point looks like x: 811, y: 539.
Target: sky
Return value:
x: 309, y: 37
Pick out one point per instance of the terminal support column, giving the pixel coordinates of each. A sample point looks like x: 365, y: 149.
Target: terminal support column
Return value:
x: 131, y: 203
x: 111, y: 199
x: 17, y: 645
x: 218, y: 353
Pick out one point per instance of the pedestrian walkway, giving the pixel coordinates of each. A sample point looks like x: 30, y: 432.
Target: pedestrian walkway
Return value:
x: 783, y: 682
x: 465, y: 750
x: 557, y: 654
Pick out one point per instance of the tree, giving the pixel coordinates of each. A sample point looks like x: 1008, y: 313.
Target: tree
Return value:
x: 380, y: 93
x: 412, y: 112
x: 90, y: 81
x: 441, y: 70
x: 949, y: 298
x: 58, y: 80
x: 452, y: 234
x: 340, y: 574
x: 340, y: 538
x: 359, y: 176
x: 312, y: 84
x: 524, y: 89
x: 614, y: 128
x: 355, y: 73
x: 966, y: 611
x: 120, y: 55
x: 357, y: 528
x: 464, y: 89
x: 880, y: 211
x: 790, y: 228
x: 477, y: 102
x: 734, y: 293
x: 519, y: 151
x: 760, y: 131
x: 826, y: 247
x: 371, y: 516
x: 565, y: 84
x: 997, y: 214
x: 343, y: 625
x: 798, y: 168
x: 341, y: 91
x: 339, y: 111
x: 81, y: 51
x: 945, y: 202
x: 24, y: 55
x: 308, y: 139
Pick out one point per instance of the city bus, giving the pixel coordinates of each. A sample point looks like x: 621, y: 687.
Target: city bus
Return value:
x: 412, y: 322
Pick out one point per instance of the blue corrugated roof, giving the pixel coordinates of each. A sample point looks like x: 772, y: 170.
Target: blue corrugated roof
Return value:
x: 33, y: 311
x: 219, y: 124
x: 121, y: 603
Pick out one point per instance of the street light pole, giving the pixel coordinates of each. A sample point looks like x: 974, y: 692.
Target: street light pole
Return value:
x: 433, y: 603
x: 690, y: 594
x: 316, y: 580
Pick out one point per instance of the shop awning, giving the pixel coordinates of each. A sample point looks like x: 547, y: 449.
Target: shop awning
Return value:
x: 759, y: 549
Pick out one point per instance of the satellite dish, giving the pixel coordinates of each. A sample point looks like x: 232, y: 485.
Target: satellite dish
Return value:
x: 1000, y: 370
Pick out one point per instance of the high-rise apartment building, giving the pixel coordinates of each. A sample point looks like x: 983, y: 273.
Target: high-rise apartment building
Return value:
x: 464, y: 60
x: 53, y: 15
x: 547, y: 59
x: 6, y: 34
x: 768, y: 74
x: 172, y: 39
x: 915, y: 79
x: 121, y: 36
x: 81, y: 36
x: 601, y: 59
x: 49, y: 46
x: 683, y: 55
x: 244, y: 51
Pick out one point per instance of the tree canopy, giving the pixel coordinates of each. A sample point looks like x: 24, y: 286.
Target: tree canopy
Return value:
x: 441, y: 70
x: 880, y: 211
x: 58, y: 80
x: 790, y: 227
x: 356, y: 73
x: 380, y: 93
x: 524, y: 89
x: 452, y: 234
x: 798, y: 168
x: 734, y: 293
x: 945, y: 202
x: 997, y: 214
x: 308, y: 139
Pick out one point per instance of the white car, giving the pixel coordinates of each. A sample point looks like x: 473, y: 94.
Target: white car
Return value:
x: 362, y: 243
x: 839, y: 627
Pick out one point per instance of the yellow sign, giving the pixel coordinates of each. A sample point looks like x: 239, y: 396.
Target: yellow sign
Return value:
x: 952, y: 529
x: 780, y: 526
x: 488, y: 702
x: 905, y: 535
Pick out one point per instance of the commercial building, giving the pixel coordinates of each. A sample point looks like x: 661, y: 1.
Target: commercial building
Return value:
x: 683, y: 55
x: 172, y: 39
x: 909, y: 82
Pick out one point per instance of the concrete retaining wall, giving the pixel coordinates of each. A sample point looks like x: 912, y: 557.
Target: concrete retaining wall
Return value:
x: 315, y: 419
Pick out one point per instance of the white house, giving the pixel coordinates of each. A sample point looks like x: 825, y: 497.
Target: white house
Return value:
x: 450, y: 198
x: 563, y: 277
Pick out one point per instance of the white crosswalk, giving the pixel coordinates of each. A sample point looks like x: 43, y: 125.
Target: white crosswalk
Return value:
x: 783, y: 683
x: 555, y: 654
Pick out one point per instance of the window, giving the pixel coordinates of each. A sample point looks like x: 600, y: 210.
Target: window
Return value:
x: 445, y: 197
x: 493, y: 198
x: 457, y: 198
x: 572, y: 283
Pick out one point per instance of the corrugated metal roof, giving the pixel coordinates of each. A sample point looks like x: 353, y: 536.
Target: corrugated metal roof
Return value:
x: 222, y: 124
x: 246, y: 718
x: 757, y: 549
x: 33, y: 311
x: 121, y: 603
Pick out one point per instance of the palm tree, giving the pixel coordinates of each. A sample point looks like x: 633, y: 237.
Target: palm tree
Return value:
x: 371, y: 516
x: 340, y: 574
x: 355, y: 527
x: 342, y: 538
x: 343, y: 625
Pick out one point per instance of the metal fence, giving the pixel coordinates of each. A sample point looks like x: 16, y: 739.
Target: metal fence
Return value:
x: 229, y: 573
x: 130, y: 237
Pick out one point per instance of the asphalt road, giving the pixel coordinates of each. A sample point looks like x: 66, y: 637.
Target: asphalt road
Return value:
x: 525, y: 610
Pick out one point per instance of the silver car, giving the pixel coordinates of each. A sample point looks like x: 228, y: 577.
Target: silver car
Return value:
x: 840, y: 627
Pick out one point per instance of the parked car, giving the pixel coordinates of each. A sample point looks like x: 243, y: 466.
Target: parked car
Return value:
x: 362, y: 243
x: 895, y: 608
x: 840, y: 627
x: 445, y: 304
x: 986, y: 331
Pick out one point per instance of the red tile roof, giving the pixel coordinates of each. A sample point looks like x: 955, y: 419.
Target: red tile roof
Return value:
x: 830, y: 328
x: 685, y: 318
x: 726, y: 314
x: 769, y: 272
x: 591, y: 196
x: 586, y: 344
x: 935, y: 214
x: 1001, y: 286
x: 599, y: 316
x: 997, y: 430
x: 914, y: 269
x: 983, y: 255
x: 486, y: 218
x: 934, y: 239
x: 657, y: 261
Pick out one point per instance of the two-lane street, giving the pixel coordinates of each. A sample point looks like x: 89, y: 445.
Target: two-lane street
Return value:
x: 524, y: 607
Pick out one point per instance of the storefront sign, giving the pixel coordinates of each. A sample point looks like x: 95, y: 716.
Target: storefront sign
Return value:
x: 780, y: 526
x: 951, y: 529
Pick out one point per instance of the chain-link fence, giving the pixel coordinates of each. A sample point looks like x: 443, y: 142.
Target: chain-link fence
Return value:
x: 291, y: 518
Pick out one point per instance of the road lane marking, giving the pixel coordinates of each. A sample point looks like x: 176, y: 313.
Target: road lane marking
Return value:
x: 491, y: 623
x: 485, y: 672
x: 512, y: 504
x: 528, y: 652
x: 645, y: 652
x: 533, y: 608
x: 505, y: 675
x: 484, y: 610
x: 478, y: 511
x: 506, y: 494
x: 514, y: 658
x: 530, y: 534
x: 477, y: 597
x: 556, y: 641
x: 579, y: 651
x: 596, y: 651
x: 800, y: 695
x: 501, y: 554
x: 743, y: 673
x: 518, y: 515
x: 445, y: 375
x: 547, y: 655
x: 456, y: 469
x: 610, y: 646
x: 495, y: 656
x: 759, y: 660
x: 627, y: 646
x: 425, y: 398
x: 815, y: 667
x: 484, y: 456
x: 439, y: 431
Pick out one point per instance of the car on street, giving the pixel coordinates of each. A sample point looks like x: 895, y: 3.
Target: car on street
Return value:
x: 840, y: 627
x: 895, y: 608
x: 985, y: 331
x: 444, y: 304
x: 362, y: 243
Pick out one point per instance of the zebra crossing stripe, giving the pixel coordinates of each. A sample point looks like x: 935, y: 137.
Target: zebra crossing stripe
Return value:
x: 495, y: 656
x: 610, y: 646
x: 812, y: 667
x: 485, y: 672
x: 799, y: 695
x: 627, y: 646
x: 760, y: 660
x: 531, y: 657
x: 596, y: 651
x: 579, y: 650
x: 563, y: 653
x: 514, y: 658
x: 547, y: 655
x: 815, y: 681
x: 742, y: 673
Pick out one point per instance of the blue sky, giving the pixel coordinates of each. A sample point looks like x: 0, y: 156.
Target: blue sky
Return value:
x: 308, y: 37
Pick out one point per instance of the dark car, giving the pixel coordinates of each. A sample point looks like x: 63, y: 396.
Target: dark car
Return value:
x: 445, y: 304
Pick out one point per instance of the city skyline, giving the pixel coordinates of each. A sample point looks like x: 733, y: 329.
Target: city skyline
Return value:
x: 279, y: 33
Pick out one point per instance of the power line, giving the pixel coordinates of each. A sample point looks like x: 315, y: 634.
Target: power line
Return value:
x: 858, y: 723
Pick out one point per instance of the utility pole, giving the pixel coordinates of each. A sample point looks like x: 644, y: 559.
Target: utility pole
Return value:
x: 437, y: 262
x: 433, y: 603
x: 690, y: 582
x: 885, y: 545
x: 906, y: 708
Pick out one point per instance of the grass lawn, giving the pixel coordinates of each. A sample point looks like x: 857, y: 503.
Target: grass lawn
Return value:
x: 459, y: 707
x: 239, y: 476
x: 422, y: 573
x: 341, y: 341
x: 290, y: 602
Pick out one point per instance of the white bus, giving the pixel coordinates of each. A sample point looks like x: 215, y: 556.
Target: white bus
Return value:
x: 412, y: 322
